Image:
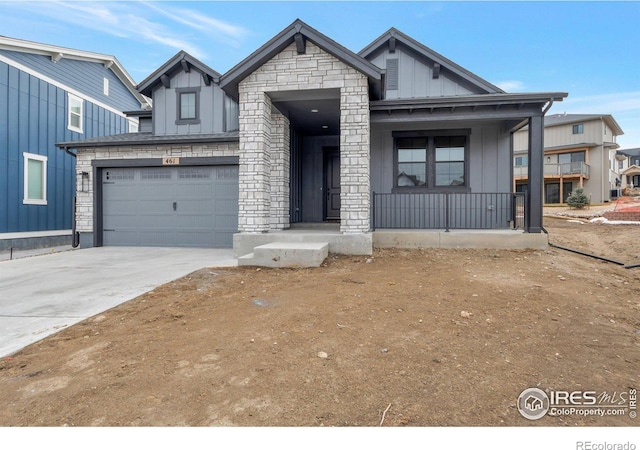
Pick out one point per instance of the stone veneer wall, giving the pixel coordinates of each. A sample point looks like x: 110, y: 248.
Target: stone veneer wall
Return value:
x: 84, y: 202
x: 260, y: 133
x: 281, y: 161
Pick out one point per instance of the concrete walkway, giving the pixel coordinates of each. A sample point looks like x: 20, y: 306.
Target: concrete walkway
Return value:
x: 40, y: 295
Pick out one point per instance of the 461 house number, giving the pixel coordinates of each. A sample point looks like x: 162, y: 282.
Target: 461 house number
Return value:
x: 170, y: 161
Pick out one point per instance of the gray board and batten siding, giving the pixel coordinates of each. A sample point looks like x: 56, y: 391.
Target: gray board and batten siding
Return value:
x: 182, y: 206
x: 217, y: 112
x: 33, y: 119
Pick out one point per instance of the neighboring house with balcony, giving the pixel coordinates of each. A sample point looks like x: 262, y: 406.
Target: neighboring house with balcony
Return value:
x: 579, y: 152
x: 628, y: 161
x: 306, y: 141
x: 50, y: 94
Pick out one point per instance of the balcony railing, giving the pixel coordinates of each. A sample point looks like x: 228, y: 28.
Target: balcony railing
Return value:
x: 558, y: 170
x: 448, y: 211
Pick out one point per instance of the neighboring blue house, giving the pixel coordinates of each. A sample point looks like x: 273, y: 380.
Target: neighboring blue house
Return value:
x: 50, y: 94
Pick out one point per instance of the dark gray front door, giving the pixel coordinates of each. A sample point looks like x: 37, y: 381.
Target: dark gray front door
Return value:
x: 190, y: 206
x: 332, y: 183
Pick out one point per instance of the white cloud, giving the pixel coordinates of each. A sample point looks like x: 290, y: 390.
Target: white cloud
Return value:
x: 617, y: 102
x: 177, y: 28
x: 217, y: 29
x: 511, y: 85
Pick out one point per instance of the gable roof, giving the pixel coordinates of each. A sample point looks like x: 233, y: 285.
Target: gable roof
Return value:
x: 230, y: 80
x: 564, y: 119
x: 57, y: 53
x: 631, y: 152
x: 182, y: 61
x: 393, y: 36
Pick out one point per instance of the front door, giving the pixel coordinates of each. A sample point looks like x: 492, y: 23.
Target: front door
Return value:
x: 332, y: 183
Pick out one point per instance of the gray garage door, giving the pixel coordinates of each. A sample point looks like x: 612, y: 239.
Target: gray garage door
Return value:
x: 189, y: 206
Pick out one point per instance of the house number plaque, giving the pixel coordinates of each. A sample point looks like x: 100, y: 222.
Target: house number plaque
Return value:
x: 170, y: 161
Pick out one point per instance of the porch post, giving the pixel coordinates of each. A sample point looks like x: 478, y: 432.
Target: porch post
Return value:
x: 355, y: 132
x: 280, y: 163
x: 533, y: 219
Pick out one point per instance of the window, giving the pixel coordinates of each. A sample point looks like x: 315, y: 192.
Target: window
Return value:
x: 231, y: 115
x: 522, y: 161
x: 578, y: 129
x: 431, y: 160
x: 620, y: 165
x: 188, y: 106
x: 35, y: 179
x: 450, y: 160
x: 133, y: 126
x: 105, y: 86
x: 564, y: 158
x: 412, y: 162
x: 75, y: 113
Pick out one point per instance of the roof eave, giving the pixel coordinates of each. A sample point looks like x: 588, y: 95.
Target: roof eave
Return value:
x: 231, y: 79
x: 470, y: 100
x: 146, y: 86
x: 185, y: 139
x: 429, y: 54
x: 56, y: 53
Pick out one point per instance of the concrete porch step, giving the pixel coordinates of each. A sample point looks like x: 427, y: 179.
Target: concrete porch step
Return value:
x: 287, y: 254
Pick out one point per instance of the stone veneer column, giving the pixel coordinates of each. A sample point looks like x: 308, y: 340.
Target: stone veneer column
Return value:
x: 355, y: 153
x: 280, y: 163
x: 255, y: 161
x: 290, y: 71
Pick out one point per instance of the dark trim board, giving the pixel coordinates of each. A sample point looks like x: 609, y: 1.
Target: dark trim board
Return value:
x: 100, y: 164
x: 157, y: 162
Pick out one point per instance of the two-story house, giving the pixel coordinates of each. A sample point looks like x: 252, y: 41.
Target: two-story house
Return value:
x: 579, y: 152
x: 628, y: 161
x: 50, y: 94
x: 306, y: 140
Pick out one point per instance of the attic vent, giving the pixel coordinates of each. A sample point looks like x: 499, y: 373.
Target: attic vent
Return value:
x: 392, y: 74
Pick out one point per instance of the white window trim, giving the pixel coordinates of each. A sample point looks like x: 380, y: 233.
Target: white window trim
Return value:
x: 26, y: 200
x: 69, y: 113
x: 133, y: 125
x: 105, y: 87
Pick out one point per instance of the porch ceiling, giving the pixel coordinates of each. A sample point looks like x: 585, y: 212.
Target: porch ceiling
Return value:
x: 314, y: 113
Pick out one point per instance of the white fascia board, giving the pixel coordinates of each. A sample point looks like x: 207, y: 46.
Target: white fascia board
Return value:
x: 109, y: 61
x: 60, y: 85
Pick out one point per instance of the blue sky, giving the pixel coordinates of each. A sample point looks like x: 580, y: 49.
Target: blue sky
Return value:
x: 589, y: 49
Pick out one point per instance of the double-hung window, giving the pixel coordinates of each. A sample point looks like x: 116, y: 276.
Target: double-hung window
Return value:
x: 188, y: 101
x: 75, y: 114
x: 431, y: 159
x: 35, y: 179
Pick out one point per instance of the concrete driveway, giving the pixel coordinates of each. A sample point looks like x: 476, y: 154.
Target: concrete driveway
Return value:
x: 41, y: 295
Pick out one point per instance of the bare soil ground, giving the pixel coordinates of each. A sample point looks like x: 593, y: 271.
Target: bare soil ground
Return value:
x: 433, y: 337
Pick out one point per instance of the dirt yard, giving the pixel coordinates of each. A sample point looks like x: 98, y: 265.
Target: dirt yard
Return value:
x: 405, y: 338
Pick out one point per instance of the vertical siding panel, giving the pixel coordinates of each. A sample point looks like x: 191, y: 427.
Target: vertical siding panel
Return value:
x: 4, y: 144
x: 15, y: 156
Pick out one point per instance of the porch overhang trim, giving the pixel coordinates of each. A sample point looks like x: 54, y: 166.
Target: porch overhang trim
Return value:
x: 631, y: 170
x: 146, y: 139
x: 489, y: 100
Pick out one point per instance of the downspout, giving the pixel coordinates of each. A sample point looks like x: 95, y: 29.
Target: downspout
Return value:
x: 75, y: 236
